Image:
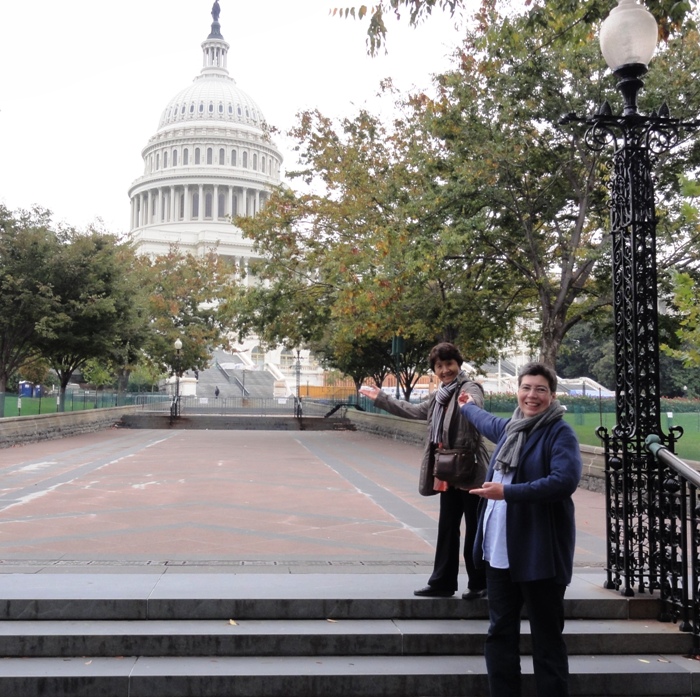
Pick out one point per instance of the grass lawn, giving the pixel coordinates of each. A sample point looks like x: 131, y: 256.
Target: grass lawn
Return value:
x: 687, y: 448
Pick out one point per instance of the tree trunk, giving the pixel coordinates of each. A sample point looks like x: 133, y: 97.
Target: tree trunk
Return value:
x: 3, y: 387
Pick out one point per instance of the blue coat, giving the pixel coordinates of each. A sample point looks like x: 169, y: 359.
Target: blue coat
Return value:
x: 540, y: 525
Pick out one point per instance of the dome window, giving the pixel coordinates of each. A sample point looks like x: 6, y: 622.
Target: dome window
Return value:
x: 185, y: 157
x: 201, y: 107
x: 230, y: 109
x: 165, y: 160
x: 247, y: 113
x: 157, y: 161
x: 182, y: 111
x: 174, y: 158
x: 262, y: 164
x: 221, y: 108
x: 240, y: 113
x: 192, y: 108
x: 207, y: 205
x: 233, y: 158
x: 211, y: 108
x: 196, y: 156
x: 255, y: 161
x: 245, y: 160
x: 210, y: 156
x: 222, y: 156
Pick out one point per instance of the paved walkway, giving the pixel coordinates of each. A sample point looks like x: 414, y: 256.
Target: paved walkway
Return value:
x: 228, y: 501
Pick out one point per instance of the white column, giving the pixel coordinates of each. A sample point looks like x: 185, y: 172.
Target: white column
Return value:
x: 173, y: 205
x: 257, y: 202
x: 246, y: 270
x: 201, y: 203
x: 231, y: 197
x: 188, y: 205
x: 215, y: 203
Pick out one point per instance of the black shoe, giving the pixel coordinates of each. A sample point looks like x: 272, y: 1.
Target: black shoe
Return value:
x: 430, y: 592
x: 474, y: 595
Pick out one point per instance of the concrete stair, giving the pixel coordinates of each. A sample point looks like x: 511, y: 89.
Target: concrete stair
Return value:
x: 230, y: 374
x: 221, y: 634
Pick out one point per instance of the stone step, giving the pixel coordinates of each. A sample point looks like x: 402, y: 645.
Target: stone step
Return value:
x: 212, y: 596
x: 289, y: 608
x: 320, y: 638
x: 646, y: 675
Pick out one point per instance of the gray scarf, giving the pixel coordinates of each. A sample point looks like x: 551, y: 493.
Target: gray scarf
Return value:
x: 517, y: 431
x: 442, y: 399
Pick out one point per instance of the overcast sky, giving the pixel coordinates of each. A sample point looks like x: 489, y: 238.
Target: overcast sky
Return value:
x: 83, y: 84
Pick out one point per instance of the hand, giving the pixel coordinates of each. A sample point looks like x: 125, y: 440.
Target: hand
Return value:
x: 490, y: 490
x: 464, y: 398
x: 369, y: 391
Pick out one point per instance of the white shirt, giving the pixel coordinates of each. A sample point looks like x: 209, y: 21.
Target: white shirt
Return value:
x: 494, y: 545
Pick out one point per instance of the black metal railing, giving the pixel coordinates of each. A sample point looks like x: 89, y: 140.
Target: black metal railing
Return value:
x: 678, y: 539
x: 190, y: 405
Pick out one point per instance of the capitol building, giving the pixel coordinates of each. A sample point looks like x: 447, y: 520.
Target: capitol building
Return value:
x: 212, y: 159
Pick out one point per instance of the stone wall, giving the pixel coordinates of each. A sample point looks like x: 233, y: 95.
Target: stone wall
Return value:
x: 30, y: 429
x: 232, y: 422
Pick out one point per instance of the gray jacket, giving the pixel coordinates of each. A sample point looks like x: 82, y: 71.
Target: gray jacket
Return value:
x: 465, y: 435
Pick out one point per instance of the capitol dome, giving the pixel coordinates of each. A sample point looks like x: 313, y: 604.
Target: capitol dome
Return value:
x: 211, y: 159
x: 212, y: 99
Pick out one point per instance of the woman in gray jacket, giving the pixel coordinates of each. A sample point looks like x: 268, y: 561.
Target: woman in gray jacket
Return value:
x: 446, y: 427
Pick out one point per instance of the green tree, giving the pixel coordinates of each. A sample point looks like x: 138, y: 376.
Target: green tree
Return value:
x: 188, y: 298
x: 89, y: 282
x: 359, y: 254
x: 669, y: 13
x: 37, y: 371
x: 539, y: 191
x: 27, y: 299
x: 144, y: 377
x: 97, y: 374
x: 588, y: 350
x: 473, y: 205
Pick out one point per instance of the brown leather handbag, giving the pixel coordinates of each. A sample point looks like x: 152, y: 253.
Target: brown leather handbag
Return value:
x: 456, y: 466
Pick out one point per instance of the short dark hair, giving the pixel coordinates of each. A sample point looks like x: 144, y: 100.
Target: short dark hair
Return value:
x: 444, y: 351
x: 539, y: 369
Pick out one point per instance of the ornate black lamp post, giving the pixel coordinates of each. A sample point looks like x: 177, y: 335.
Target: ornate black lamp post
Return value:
x: 178, y: 348
x: 634, y: 481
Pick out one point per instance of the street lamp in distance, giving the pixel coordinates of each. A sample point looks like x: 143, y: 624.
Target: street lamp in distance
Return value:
x: 178, y: 348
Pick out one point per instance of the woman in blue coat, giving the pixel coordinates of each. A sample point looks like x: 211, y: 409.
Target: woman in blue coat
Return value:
x: 526, y: 532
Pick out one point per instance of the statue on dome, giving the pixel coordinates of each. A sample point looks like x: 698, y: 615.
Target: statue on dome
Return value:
x: 216, y: 10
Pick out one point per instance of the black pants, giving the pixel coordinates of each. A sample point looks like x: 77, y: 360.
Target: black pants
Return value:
x: 544, y: 602
x: 456, y: 504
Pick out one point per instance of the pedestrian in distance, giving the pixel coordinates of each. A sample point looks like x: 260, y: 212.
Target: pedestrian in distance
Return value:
x: 526, y: 532
x: 216, y: 392
x: 446, y: 428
